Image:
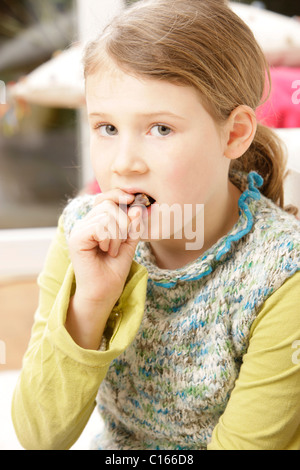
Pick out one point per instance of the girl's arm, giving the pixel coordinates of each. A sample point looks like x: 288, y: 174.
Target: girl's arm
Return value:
x: 263, y: 412
x: 56, y: 391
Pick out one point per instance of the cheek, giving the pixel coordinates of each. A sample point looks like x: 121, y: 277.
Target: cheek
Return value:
x: 99, y: 166
x: 177, y: 184
x: 185, y: 168
x: 93, y: 153
x: 176, y: 173
x: 190, y: 179
x: 172, y: 177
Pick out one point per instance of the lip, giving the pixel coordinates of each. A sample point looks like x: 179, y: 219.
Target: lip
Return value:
x: 135, y: 191
x: 146, y: 210
x: 149, y: 209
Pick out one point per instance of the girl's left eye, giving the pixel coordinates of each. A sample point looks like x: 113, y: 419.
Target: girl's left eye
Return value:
x: 160, y: 130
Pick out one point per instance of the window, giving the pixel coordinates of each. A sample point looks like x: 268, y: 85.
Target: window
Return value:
x: 39, y: 151
x: 44, y: 157
x: 38, y: 144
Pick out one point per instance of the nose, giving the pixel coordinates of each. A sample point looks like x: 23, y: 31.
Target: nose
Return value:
x: 128, y: 158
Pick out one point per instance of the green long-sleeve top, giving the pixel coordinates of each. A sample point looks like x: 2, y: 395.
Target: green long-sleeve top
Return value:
x: 259, y: 366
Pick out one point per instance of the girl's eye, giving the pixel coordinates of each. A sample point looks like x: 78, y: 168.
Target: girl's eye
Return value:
x: 107, y: 130
x: 160, y: 130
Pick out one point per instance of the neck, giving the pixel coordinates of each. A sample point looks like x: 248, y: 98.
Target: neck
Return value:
x: 220, y: 216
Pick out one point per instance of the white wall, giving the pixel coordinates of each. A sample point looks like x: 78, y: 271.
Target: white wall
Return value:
x: 23, y: 251
x: 291, y: 137
x: 93, y: 16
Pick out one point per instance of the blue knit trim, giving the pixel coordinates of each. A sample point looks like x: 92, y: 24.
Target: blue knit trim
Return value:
x: 167, y: 285
x: 170, y: 284
x: 255, y: 181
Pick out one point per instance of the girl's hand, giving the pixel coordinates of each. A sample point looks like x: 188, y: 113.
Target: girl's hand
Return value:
x: 102, y: 246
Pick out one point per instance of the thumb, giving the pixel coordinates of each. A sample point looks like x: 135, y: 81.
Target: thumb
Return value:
x: 135, y: 229
x: 136, y: 225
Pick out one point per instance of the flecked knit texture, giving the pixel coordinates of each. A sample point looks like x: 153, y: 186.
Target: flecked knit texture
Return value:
x: 170, y: 387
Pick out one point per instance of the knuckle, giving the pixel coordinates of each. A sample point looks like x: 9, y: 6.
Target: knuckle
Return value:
x: 102, y: 233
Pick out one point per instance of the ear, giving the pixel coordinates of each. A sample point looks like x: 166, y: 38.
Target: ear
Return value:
x: 241, y: 128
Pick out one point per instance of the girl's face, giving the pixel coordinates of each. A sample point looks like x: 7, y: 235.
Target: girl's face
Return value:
x: 155, y: 137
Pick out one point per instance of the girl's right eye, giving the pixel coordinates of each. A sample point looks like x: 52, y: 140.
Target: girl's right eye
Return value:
x: 107, y: 130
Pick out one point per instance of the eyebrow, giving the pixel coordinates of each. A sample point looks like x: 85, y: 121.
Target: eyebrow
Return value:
x: 143, y: 115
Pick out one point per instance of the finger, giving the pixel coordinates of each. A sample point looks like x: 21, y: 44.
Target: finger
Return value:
x: 115, y: 233
x: 127, y: 250
x: 136, y: 212
x: 87, y: 237
x: 111, y: 211
x: 110, y: 208
x: 119, y: 223
x: 131, y: 227
x: 118, y: 196
x: 136, y: 226
x: 115, y: 238
x: 104, y: 245
x: 109, y: 226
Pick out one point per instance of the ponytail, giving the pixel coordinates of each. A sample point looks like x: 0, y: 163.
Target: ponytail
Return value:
x: 267, y: 156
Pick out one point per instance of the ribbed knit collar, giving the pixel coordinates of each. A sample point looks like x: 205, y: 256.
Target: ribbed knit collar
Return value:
x: 209, y: 260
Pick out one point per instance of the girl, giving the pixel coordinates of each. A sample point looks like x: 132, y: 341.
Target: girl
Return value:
x: 181, y: 348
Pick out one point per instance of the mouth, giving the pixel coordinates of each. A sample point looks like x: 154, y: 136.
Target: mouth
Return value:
x: 143, y: 199
x: 140, y: 200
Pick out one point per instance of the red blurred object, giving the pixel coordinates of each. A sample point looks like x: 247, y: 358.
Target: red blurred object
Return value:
x: 93, y: 188
x: 282, y: 110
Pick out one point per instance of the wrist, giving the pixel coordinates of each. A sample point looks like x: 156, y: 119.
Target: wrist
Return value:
x: 86, y: 321
x: 92, y: 306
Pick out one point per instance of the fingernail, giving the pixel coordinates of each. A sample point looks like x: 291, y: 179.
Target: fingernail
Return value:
x: 136, y: 211
x: 129, y: 197
x: 136, y: 228
x: 115, y: 252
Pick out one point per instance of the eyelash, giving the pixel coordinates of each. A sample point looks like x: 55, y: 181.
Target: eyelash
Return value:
x: 103, y: 125
x: 162, y: 125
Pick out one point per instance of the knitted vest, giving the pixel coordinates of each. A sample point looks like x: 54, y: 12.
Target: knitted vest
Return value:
x: 168, y: 389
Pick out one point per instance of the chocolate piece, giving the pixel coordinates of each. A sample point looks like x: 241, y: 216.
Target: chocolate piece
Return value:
x: 141, y: 200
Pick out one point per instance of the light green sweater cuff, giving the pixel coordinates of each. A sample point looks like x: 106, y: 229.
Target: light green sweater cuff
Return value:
x: 130, y: 310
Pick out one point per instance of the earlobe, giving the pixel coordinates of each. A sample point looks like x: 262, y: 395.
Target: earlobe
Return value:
x: 241, y: 129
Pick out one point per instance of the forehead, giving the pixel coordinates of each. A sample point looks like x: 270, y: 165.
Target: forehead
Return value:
x: 112, y: 88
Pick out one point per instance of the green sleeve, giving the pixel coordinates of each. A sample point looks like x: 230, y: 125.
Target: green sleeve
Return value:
x: 263, y: 412
x: 58, y: 384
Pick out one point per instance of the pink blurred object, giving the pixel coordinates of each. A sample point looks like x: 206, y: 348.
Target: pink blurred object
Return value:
x: 282, y: 110
x: 92, y: 188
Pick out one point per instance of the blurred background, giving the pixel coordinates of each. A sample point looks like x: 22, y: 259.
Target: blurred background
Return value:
x: 40, y: 147
x: 38, y: 144
x: 44, y: 157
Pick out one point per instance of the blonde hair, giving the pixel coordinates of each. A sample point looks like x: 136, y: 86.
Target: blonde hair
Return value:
x: 202, y: 43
